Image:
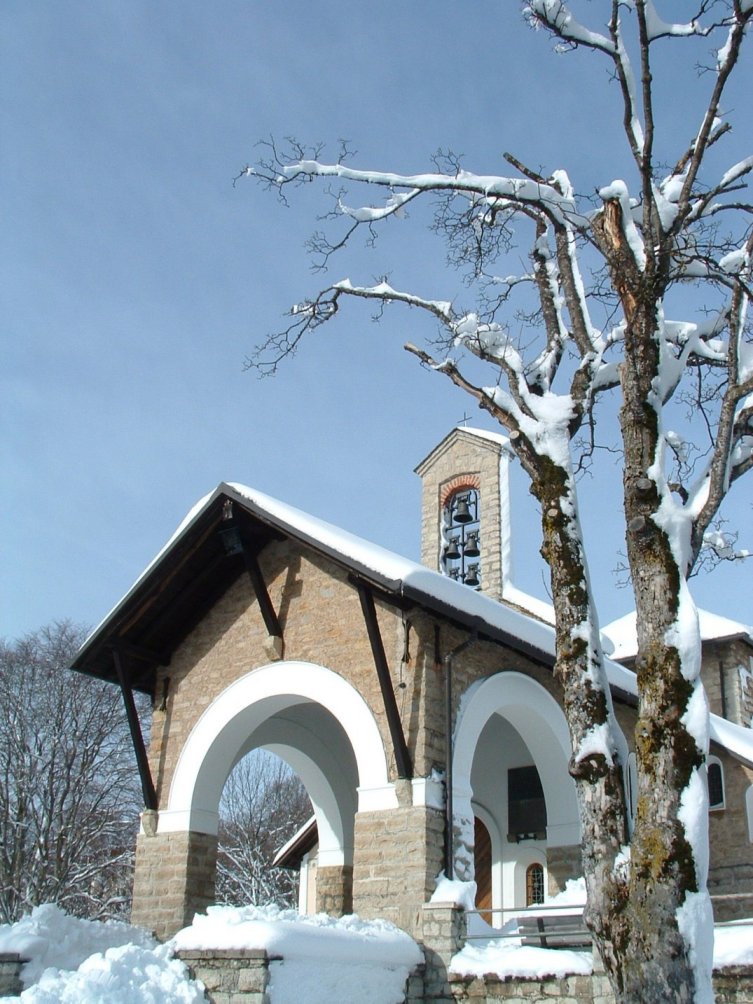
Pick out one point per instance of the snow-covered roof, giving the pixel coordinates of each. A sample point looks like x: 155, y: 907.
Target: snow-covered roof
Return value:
x: 399, y: 576
x: 619, y: 638
x: 303, y: 840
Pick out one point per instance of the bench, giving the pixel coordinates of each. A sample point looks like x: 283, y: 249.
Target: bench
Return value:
x: 560, y: 931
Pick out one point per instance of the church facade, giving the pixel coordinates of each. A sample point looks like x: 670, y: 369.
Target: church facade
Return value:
x: 415, y: 701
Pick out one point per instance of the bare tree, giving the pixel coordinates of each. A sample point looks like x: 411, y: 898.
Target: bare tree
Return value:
x: 606, y: 275
x: 263, y: 804
x: 69, y: 796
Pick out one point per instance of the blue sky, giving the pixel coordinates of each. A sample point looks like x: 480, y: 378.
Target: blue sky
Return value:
x: 137, y: 278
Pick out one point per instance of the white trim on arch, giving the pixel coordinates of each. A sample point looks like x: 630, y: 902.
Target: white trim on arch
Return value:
x: 220, y: 733
x: 540, y: 721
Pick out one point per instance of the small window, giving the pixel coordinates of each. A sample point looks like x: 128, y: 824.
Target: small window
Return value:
x: 534, y: 884
x: 526, y: 806
x: 716, y: 783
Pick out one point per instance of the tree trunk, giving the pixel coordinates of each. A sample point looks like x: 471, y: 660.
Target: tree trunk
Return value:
x: 657, y: 962
x: 594, y: 734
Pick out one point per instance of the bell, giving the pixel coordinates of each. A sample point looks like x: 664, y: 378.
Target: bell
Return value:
x: 471, y: 546
x: 461, y: 512
x: 454, y: 573
x: 471, y: 578
x: 452, y: 552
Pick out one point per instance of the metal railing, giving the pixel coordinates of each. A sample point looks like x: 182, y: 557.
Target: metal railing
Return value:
x: 502, y: 918
x: 522, y: 915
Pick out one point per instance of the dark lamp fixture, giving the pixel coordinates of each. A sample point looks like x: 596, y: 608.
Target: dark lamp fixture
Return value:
x: 229, y: 533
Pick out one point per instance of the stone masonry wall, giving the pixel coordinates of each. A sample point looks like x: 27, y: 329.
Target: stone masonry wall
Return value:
x: 731, y: 864
x: 173, y: 880
x: 727, y: 693
x: 233, y: 976
x: 398, y: 854
x: 242, y: 976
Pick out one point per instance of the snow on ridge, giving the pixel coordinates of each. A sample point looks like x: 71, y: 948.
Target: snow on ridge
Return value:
x: 620, y: 641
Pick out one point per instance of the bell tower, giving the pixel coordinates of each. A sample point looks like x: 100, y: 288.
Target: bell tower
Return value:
x: 465, y: 522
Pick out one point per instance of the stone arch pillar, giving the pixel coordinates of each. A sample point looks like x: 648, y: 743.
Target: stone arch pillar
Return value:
x: 284, y: 707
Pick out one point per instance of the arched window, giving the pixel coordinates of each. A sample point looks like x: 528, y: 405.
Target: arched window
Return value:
x: 460, y: 533
x: 534, y: 884
x: 716, y: 782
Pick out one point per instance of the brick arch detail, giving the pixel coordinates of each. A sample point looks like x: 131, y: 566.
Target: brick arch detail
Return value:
x: 459, y: 483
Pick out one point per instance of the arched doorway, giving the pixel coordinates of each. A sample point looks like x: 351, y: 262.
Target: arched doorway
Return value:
x: 511, y: 754
x: 320, y: 725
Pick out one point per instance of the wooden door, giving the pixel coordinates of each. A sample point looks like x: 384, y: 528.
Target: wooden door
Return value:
x: 482, y: 859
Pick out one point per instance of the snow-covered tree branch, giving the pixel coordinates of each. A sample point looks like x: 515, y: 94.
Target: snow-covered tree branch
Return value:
x: 641, y: 290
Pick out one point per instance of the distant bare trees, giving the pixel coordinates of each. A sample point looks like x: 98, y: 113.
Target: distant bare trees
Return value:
x: 69, y: 796
x: 263, y: 804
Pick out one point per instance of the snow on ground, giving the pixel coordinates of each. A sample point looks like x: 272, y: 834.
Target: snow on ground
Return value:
x: 364, y: 962
x: 76, y: 961
x: 325, y: 959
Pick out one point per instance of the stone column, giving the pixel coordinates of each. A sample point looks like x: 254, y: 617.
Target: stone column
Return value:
x: 443, y: 929
x: 334, y: 890
x: 397, y: 857
x: 173, y: 879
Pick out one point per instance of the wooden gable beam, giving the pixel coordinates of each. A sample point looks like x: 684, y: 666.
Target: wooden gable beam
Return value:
x: 233, y: 542
x: 137, y: 738
x: 402, y: 755
x: 259, y: 586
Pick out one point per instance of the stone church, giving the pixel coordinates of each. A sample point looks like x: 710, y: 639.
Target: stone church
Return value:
x: 415, y: 701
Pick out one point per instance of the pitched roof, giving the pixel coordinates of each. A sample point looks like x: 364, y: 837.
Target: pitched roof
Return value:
x: 192, y: 571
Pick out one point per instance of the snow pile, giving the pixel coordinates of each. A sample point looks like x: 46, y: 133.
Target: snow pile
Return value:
x: 126, y: 975
x: 454, y: 891
x: 505, y: 956
x: 324, y: 958
x: 488, y: 953
x: 76, y: 961
x: 508, y: 958
x: 733, y: 944
x: 48, y: 937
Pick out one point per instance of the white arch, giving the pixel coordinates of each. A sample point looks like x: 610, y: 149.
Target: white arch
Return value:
x: 334, y: 839
x: 540, y: 721
x: 223, y: 730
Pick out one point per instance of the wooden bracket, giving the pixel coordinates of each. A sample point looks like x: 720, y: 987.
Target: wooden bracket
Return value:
x: 137, y: 738
x: 402, y: 755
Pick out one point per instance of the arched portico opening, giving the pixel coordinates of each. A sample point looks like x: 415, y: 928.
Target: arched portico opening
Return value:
x: 508, y: 725
x: 320, y: 725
